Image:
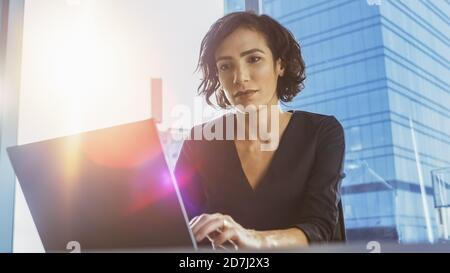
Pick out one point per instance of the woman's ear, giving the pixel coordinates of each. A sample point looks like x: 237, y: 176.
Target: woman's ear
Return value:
x: 280, y: 68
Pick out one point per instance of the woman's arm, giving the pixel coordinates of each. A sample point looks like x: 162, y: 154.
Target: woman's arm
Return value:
x: 219, y: 229
x: 286, y: 238
x: 319, y: 212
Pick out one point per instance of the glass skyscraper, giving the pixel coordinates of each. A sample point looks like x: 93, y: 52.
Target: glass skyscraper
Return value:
x: 382, y: 67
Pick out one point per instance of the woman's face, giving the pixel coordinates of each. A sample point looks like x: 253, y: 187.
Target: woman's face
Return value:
x: 246, y: 69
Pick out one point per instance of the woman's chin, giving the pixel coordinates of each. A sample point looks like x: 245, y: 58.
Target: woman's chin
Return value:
x: 253, y: 105
x: 247, y: 106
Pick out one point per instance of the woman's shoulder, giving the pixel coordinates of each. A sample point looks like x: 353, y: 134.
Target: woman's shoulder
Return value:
x: 316, y: 120
x: 322, y: 128
x: 214, y: 126
x: 205, y: 139
x: 207, y: 133
x: 215, y: 121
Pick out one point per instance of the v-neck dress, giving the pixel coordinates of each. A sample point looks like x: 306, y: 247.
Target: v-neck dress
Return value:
x: 300, y: 188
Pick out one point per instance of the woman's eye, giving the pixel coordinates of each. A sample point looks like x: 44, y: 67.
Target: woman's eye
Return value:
x: 255, y: 59
x: 224, y: 67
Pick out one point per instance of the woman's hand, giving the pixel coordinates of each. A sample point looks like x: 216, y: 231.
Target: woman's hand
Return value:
x: 221, y: 229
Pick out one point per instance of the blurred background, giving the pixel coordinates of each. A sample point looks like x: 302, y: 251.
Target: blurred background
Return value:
x: 381, y: 67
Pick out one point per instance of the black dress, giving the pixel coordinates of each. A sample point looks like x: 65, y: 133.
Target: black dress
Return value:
x: 301, y: 187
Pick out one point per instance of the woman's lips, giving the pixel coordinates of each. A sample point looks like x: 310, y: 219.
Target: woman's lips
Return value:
x: 246, y: 93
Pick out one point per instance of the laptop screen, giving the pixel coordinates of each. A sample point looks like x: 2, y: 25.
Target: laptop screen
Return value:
x: 108, y: 189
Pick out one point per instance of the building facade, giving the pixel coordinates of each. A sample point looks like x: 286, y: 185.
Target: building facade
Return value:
x: 382, y: 67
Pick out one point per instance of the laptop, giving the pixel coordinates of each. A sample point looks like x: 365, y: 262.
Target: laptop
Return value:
x: 104, y: 190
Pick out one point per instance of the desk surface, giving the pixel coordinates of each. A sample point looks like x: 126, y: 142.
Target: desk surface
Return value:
x: 363, y: 247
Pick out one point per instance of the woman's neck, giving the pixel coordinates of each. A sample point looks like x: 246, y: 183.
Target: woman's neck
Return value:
x: 264, y: 125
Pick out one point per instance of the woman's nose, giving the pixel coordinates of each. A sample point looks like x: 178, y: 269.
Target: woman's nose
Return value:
x: 241, y: 75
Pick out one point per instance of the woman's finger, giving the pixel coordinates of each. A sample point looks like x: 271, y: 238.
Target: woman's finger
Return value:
x: 211, y: 226
x: 202, y: 220
x: 225, y: 236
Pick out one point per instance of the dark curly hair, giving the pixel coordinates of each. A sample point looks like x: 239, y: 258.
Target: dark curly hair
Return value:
x: 280, y: 41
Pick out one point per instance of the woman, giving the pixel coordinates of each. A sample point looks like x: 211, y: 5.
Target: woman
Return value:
x: 234, y: 191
